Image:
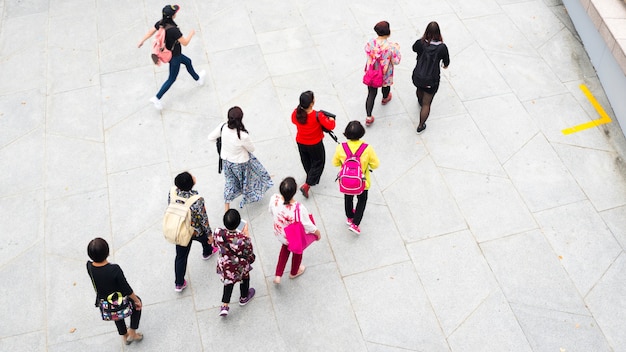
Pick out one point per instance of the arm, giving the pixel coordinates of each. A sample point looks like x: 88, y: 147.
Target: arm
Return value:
x: 446, y: 56
x: 136, y: 300
x: 200, y: 220
x: 373, y: 162
x: 149, y: 34
x: 216, y: 133
x: 327, y: 122
x: 337, y: 158
x: 309, y: 226
x: 396, y: 55
x: 246, y: 142
x: 185, y: 40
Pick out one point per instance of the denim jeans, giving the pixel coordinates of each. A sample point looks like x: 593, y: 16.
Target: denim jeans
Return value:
x: 174, y: 68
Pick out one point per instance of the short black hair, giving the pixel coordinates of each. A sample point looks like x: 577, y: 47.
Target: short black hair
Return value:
x: 98, y: 250
x: 184, y: 181
x: 288, y: 189
x: 382, y: 28
x: 354, y: 130
x: 231, y: 219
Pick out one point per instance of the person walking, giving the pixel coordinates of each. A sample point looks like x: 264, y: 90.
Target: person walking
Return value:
x: 108, y: 278
x: 282, y: 207
x: 173, y: 39
x: 243, y: 172
x: 381, y: 52
x: 236, y: 257
x: 199, y: 222
x: 309, y: 137
x: 431, y: 51
x: 369, y: 160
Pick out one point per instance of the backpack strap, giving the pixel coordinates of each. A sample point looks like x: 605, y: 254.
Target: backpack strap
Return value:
x: 360, y: 151
x: 188, y: 201
x: 347, y: 150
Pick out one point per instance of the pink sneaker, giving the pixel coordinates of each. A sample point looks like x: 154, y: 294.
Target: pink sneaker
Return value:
x: 355, y: 228
x: 348, y: 221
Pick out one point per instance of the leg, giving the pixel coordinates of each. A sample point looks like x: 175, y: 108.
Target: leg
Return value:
x: 420, y: 95
x: 187, y: 62
x: 348, y: 205
x: 318, y: 159
x: 305, y: 158
x: 134, y: 325
x: 227, y: 293
x: 180, y: 263
x: 207, y: 249
x: 174, y: 68
x: 386, y: 90
x: 121, y: 327
x: 369, y: 102
x: 425, y: 111
x: 244, y: 287
x: 296, y: 269
x: 361, y: 201
x: 282, y: 262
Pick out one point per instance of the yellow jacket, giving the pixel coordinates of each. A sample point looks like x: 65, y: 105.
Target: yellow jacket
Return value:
x: 369, y: 160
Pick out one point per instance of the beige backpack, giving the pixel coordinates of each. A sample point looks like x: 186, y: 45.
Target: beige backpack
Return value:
x: 177, y: 220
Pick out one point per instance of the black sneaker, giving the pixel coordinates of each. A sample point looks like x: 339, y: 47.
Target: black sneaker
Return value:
x: 421, y: 129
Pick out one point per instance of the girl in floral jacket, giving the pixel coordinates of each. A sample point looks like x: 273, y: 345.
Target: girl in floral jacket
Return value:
x: 236, y: 255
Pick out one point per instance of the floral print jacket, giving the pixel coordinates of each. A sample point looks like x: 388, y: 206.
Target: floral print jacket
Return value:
x: 236, y: 255
x: 388, y: 53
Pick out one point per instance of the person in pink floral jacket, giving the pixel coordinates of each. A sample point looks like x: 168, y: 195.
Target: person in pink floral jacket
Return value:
x: 236, y: 257
x: 386, y: 53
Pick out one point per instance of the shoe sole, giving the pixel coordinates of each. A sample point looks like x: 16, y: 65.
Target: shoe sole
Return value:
x: 355, y: 231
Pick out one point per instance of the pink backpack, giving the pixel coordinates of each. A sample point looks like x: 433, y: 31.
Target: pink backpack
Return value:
x: 351, y: 177
x: 160, y: 52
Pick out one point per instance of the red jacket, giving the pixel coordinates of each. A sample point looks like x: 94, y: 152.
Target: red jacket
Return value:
x: 311, y: 132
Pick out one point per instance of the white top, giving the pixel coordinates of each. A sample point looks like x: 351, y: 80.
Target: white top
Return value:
x: 234, y: 149
x: 284, y: 215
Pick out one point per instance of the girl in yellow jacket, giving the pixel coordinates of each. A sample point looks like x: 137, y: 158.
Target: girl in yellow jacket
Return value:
x: 369, y: 161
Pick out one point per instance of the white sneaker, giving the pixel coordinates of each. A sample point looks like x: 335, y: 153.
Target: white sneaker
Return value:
x: 201, y: 75
x: 157, y: 103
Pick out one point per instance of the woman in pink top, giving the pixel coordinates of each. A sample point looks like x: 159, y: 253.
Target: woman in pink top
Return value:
x: 283, y: 206
x: 387, y: 54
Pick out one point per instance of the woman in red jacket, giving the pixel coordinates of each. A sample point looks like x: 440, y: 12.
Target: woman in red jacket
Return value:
x: 310, y: 139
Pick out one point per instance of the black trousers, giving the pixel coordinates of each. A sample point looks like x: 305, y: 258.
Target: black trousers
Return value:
x: 313, y: 158
x: 356, y: 214
x: 182, y: 253
x: 134, y: 321
x: 244, y: 286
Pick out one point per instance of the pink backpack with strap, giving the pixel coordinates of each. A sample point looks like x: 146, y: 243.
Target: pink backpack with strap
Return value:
x: 351, y: 177
x: 160, y: 52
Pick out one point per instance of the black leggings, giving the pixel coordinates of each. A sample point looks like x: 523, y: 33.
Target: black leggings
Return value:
x: 371, y: 95
x: 313, y: 158
x: 425, y: 98
x: 244, y: 286
x: 355, y: 213
x: 134, y: 321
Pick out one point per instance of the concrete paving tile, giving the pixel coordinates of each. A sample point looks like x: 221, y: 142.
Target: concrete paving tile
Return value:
x: 367, y: 13
x: 606, y: 303
x: 102, y: 343
x: 252, y: 321
x: 137, y: 199
x: 266, y: 17
x: 26, y: 157
x: 538, y: 22
x: 530, y: 274
x: 333, y: 15
x: 128, y: 92
x: 507, y: 39
x: 32, y: 342
x: 536, y: 166
x: 375, y: 347
x: 491, y: 206
x: 81, y: 40
x: 126, y: 36
x: 66, y: 235
x: 290, y: 38
x: 14, y: 242
x: 73, y: 166
x: 457, y: 143
x: 493, y: 315
x: 24, y: 70
x: 573, y: 66
x: 582, y: 241
x: 616, y: 221
x: 306, y: 307
x: 564, y: 112
x: 226, y: 29
x: 464, y: 77
x: 409, y: 323
x: 569, y: 332
x: 505, y: 139
x: 187, y: 147
x: 138, y: 140
x: 292, y: 61
x: 425, y: 8
x: 474, y: 8
x: 599, y: 175
x: 76, y: 114
x: 27, y: 110
x: 28, y: 294
x: 455, y: 276
x: 529, y: 77
x: 439, y: 213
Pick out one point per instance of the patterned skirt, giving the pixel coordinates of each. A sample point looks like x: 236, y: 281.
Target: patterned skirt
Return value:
x: 249, y: 179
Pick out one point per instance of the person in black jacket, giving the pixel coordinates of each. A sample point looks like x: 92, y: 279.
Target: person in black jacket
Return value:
x: 430, y: 51
x: 108, y: 278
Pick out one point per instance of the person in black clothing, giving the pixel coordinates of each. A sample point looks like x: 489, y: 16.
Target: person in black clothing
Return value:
x: 108, y: 278
x: 173, y: 39
x: 429, y: 47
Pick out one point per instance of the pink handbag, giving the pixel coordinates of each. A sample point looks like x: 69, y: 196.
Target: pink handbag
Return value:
x: 297, y: 237
x: 374, y: 76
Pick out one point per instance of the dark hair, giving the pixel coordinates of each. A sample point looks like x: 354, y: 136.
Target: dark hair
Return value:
x: 184, y: 181
x: 98, y: 250
x: 168, y: 12
x: 432, y: 33
x: 235, y: 117
x: 382, y: 28
x: 354, y: 130
x: 231, y: 219
x: 288, y: 189
x: 306, y: 99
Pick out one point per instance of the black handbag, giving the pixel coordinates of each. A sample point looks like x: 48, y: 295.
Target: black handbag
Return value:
x: 218, y: 145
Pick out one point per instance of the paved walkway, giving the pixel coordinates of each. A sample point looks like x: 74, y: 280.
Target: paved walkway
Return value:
x: 491, y: 231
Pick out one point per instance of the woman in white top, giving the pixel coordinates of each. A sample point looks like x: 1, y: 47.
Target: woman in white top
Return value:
x: 283, y: 207
x: 243, y: 173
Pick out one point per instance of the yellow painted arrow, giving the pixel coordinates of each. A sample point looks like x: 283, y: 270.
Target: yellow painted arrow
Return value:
x: 604, y: 117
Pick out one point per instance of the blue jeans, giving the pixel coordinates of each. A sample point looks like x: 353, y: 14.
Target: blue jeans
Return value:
x: 174, y: 68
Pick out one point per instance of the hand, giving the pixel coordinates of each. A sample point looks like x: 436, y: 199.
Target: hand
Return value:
x: 139, y: 44
x: 318, y: 234
x: 137, y: 304
x: 192, y: 32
